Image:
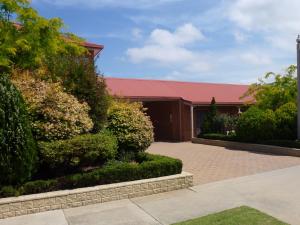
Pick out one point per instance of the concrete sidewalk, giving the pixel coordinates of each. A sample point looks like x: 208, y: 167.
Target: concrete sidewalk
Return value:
x: 276, y: 193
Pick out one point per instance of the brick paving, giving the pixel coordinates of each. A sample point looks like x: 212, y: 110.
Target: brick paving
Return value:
x: 212, y: 163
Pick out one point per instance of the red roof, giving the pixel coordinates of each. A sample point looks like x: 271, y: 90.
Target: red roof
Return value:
x: 196, y: 93
x: 94, y: 47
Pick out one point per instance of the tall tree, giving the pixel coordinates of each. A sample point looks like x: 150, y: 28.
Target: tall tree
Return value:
x: 27, y: 39
x: 274, y: 90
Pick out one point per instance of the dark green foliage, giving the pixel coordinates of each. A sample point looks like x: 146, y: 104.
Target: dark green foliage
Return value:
x: 256, y: 125
x: 282, y: 143
x: 80, y: 151
x: 147, y: 166
x: 218, y: 123
x: 38, y: 186
x: 209, y: 118
x: 8, y: 191
x: 17, y: 147
x: 223, y: 123
x: 217, y: 136
x: 79, y: 77
x: 286, y: 120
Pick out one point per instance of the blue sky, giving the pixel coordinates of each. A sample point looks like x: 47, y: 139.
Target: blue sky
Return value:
x: 231, y: 41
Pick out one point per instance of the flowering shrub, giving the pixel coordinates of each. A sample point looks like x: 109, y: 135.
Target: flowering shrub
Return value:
x: 55, y: 114
x: 132, y: 127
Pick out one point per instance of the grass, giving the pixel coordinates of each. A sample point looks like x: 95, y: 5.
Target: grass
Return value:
x: 238, y: 216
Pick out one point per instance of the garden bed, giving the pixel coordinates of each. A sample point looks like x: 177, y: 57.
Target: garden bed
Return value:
x: 146, y: 166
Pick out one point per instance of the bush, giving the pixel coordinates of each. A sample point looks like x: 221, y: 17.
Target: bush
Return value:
x: 218, y: 136
x: 147, y: 166
x: 80, y: 151
x: 286, y: 119
x: 132, y: 127
x: 282, y: 143
x: 256, y: 125
x: 17, y: 147
x: 56, y: 115
x: 80, y: 79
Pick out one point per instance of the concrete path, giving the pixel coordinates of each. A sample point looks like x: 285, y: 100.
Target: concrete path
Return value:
x: 276, y: 193
x: 213, y: 163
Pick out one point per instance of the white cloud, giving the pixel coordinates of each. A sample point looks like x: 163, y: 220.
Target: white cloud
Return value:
x: 170, y: 49
x: 255, y: 58
x: 277, y: 21
x: 139, y: 4
x: 266, y: 14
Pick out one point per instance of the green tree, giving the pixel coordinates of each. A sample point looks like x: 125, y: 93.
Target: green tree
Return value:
x: 274, y: 90
x: 27, y: 39
x: 209, y: 118
x: 17, y: 146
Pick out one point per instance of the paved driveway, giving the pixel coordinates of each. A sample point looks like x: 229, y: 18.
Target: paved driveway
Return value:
x: 211, y: 163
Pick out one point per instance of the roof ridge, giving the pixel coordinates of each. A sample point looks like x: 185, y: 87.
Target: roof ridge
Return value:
x: 175, y: 81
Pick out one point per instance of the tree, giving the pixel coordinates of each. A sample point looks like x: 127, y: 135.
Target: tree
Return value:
x: 17, y: 147
x: 272, y: 94
x: 27, y: 39
x: 209, y: 118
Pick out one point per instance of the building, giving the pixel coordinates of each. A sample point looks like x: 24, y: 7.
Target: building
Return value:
x: 177, y: 109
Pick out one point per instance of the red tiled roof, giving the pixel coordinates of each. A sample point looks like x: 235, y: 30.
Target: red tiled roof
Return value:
x: 197, y: 93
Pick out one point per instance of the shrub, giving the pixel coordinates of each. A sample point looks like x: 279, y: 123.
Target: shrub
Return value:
x: 218, y: 136
x: 147, y: 166
x: 83, y: 150
x: 286, y: 119
x: 80, y: 79
x: 132, y: 127
x: 17, y: 146
x: 256, y: 125
x: 9, y: 191
x: 56, y: 115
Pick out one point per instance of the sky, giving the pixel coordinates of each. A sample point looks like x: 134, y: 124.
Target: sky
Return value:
x: 228, y: 41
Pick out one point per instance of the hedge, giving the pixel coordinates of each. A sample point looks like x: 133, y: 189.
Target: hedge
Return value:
x: 216, y: 136
x: 80, y: 151
x: 281, y: 143
x: 147, y: 166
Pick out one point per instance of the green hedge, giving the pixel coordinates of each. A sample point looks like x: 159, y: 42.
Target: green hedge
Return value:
x: 147, y: 166
x: 281, y: 143
x: 216, y: 136
x: 83, y: 150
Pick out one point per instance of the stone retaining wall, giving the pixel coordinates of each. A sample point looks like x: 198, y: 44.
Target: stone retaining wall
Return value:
x: 271, y: 149
x: 28, y: 204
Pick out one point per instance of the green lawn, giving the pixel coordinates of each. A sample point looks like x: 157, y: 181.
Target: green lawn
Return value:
x: 238, y: 216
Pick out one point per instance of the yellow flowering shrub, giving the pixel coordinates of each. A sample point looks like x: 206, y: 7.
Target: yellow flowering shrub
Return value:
x: 130, y: 124
x: 55, y: 114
